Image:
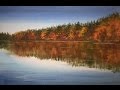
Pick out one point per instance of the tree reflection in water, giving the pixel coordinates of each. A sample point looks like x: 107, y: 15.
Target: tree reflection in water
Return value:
x: 102, y: 56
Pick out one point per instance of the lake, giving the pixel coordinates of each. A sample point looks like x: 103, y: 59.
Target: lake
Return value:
x: 59, y: 63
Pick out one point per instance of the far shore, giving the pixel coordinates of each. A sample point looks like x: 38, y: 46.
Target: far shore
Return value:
x: 63, y: 41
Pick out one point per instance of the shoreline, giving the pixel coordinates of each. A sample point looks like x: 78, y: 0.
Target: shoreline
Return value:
x: 63, y: 41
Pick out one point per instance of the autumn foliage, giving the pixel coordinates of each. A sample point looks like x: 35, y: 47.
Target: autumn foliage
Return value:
x: 106, y: 29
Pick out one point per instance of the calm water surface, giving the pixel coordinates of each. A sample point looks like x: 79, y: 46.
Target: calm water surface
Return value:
x: 59, y: 63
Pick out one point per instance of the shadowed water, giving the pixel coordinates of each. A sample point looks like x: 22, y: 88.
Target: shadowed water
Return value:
x: 59, y: 63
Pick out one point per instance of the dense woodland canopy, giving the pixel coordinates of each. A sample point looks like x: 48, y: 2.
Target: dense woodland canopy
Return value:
x: 105, y: 29
x: 5, y: 36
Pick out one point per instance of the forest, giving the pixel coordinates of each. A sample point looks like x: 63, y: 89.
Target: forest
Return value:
x: 105, y: 29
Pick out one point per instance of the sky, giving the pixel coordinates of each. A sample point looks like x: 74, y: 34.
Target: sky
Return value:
x: 20, y: 18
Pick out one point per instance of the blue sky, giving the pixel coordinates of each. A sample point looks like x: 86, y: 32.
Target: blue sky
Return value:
x: 18, y: 18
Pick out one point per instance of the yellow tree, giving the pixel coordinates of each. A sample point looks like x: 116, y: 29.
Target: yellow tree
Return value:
x: 82, y: 32
x: 71, y: 35
x: 43, y: 35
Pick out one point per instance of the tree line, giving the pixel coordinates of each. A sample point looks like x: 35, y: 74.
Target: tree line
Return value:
x: 105, y: 29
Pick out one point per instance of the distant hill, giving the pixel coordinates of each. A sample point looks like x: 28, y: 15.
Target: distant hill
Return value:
x: 109, y: 29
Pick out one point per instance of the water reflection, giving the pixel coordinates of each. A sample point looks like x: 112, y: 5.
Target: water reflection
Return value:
x: 102, y: 56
